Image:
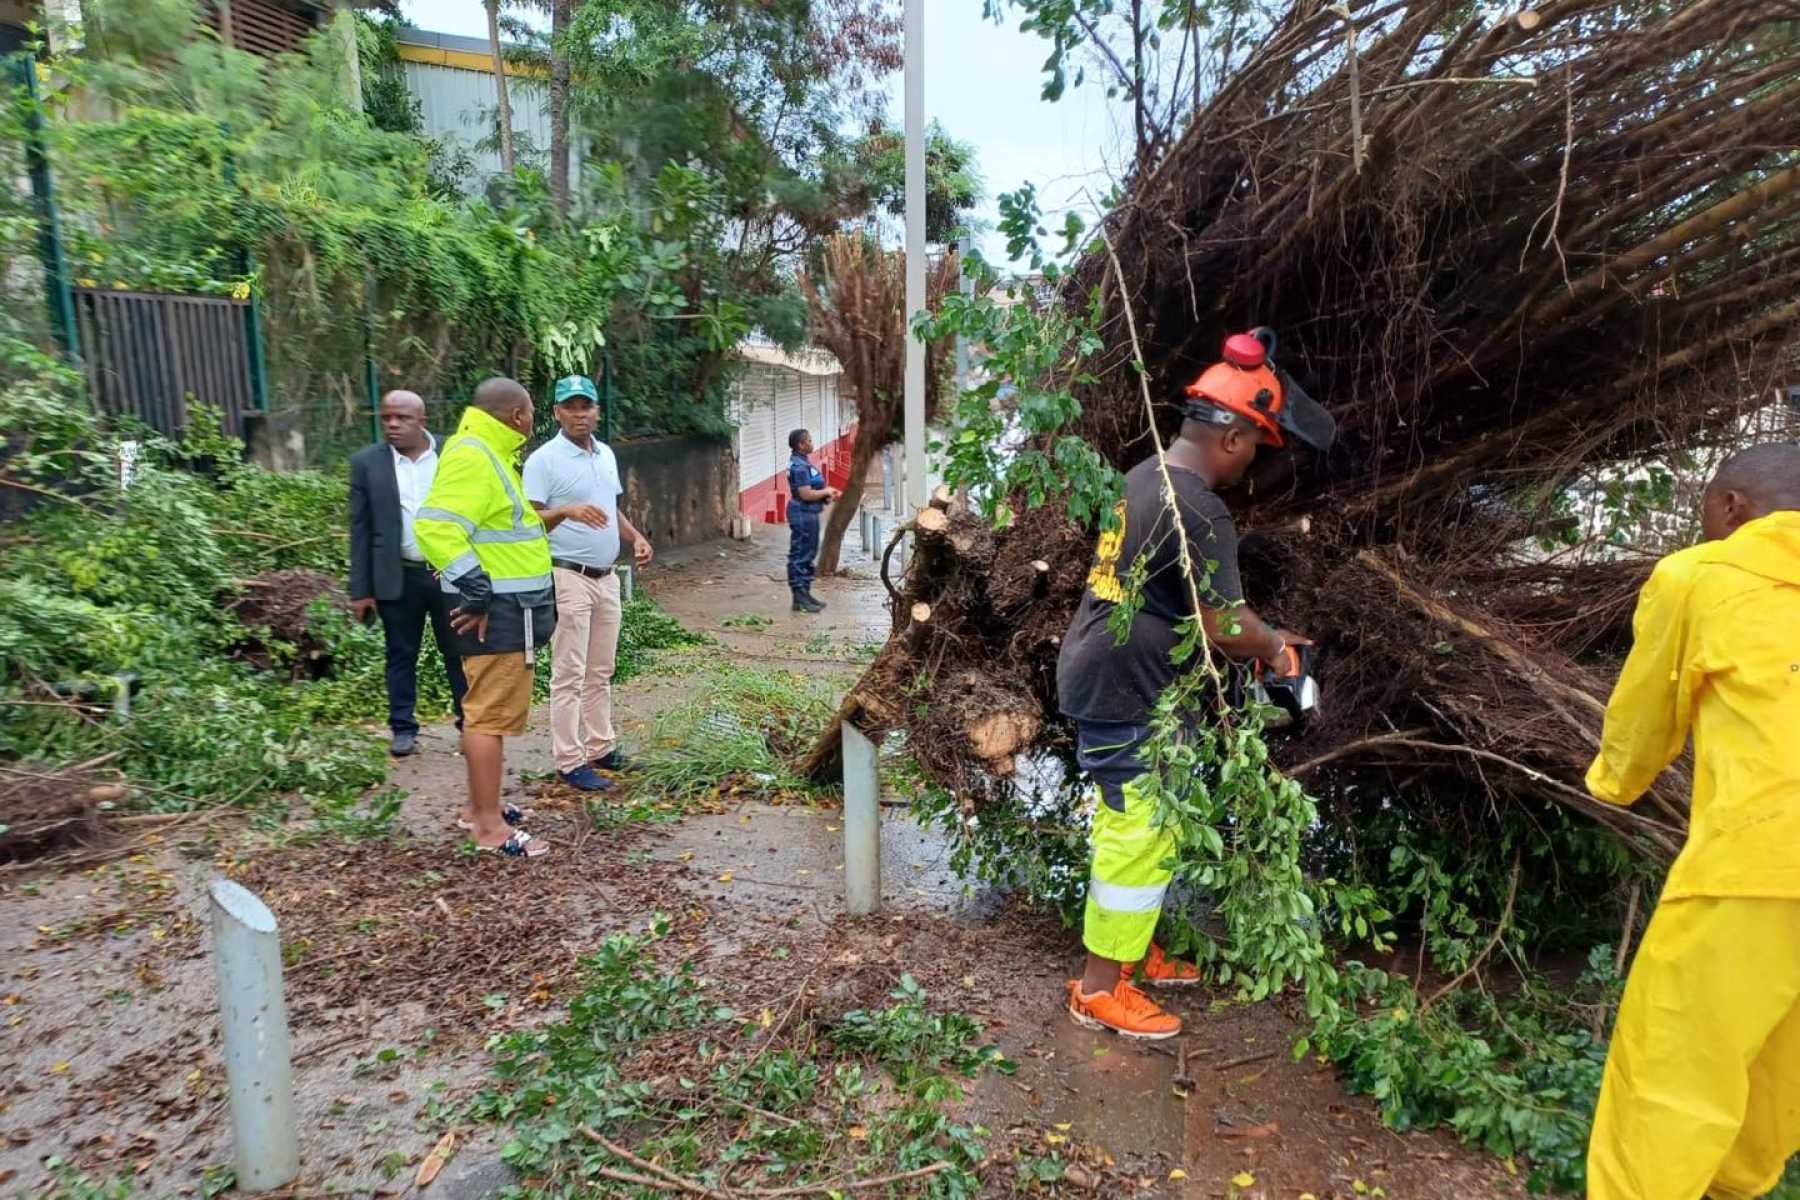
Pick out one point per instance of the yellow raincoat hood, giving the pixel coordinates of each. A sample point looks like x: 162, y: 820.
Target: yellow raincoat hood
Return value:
x: 1768, y: 546
x: 1717, y: 653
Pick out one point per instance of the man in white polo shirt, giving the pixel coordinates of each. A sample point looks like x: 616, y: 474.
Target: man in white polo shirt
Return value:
x: 573, y: 481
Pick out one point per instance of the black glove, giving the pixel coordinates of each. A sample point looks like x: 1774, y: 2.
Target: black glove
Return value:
x: 476, y: 590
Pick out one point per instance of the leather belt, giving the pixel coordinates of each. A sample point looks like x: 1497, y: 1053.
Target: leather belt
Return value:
x: 581, y: 569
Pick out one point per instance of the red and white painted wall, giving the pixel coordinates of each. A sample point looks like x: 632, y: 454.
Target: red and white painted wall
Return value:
x: 779, y: 392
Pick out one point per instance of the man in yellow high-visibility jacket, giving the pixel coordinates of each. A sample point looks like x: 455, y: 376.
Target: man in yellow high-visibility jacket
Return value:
x: 489, y: 549
x: 1702, y: 1088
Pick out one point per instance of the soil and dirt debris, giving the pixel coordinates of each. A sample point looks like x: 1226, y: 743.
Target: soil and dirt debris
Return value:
x: 47, y: 812
x: 275, y: 608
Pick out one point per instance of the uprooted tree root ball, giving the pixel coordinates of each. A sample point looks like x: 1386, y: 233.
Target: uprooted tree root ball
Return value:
x: 276, y: 610
x: 1561, y: 243
x: 45, y: 812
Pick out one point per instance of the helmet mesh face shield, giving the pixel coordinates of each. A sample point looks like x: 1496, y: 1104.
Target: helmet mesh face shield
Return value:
x: 1303, y: 416
x: 1248, y: 385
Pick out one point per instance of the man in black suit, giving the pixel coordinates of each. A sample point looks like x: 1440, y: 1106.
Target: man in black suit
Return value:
x: 388, y: 574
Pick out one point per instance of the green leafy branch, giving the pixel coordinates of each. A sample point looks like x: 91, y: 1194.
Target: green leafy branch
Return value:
x: 1005, y: 436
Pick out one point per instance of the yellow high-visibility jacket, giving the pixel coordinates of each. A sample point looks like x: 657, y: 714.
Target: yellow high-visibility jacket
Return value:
x: 1717, y: 651
x: 486, y: 543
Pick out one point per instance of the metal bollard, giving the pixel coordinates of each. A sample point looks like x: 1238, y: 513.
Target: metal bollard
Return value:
x: 123, y: 683
x: 876, y: 543
x: 862, y: 527
x: 862, y: 824
x: 258, y: 1072
x: 627, y: 583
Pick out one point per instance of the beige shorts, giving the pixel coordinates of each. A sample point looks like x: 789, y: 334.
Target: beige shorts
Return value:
x: 499, y: 697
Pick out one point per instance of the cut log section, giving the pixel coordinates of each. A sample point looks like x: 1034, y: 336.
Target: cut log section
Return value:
x: 931, y: 520
x: 998, y: 738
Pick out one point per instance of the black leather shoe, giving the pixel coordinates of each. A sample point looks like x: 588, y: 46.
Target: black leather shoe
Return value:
x: 818, y: 604
x: 404, y: 744
x: 612, y: 760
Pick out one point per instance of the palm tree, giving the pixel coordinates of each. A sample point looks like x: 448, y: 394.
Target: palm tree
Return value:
x: 500, y: 97
x: 857, y: 302
x: 561, y: 12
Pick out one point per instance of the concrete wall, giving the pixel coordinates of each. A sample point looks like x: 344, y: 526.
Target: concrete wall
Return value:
x: 679, y: 490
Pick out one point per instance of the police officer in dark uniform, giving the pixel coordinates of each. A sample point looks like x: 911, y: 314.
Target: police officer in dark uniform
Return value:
x: 809, y: 497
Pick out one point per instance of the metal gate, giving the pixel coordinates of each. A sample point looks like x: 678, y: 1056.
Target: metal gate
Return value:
x: 145, y: 355
x: 151, y: 355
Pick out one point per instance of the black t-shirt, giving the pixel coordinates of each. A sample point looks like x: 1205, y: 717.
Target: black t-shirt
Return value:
x: 1096, y: 678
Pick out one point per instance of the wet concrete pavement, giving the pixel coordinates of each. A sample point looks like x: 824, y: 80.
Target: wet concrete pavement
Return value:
x: 737, y: 592
x: 791, y: 861
x: 1097, y: 1090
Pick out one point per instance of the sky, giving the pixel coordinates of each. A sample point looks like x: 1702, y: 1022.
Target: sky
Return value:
x: 982, y: 81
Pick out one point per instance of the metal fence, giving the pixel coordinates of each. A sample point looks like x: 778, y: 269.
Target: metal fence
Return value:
x: 150, y: 356
x: 146, y: 356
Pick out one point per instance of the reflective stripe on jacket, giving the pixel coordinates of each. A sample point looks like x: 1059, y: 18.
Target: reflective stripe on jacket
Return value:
x: 1717, y: 652
x: 475, y: 528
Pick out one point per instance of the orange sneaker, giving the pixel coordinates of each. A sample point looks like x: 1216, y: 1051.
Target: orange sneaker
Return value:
x: 1158, y: 970
x: 1124, y: 1010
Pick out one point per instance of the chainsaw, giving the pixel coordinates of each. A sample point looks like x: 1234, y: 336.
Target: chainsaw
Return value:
x: 1286, y: 685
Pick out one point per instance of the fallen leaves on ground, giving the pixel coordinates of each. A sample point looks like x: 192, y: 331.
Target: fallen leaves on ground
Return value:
x: 434, y: 1162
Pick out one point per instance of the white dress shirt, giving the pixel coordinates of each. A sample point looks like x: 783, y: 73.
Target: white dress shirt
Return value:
x: 413, y: 476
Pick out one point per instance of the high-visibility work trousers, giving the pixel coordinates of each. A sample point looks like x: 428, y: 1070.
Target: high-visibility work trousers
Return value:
x: 1702, y: 1088
x: 1131, y: 871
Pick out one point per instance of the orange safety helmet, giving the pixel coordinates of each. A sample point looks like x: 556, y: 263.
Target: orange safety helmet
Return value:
x: 1248, y: 384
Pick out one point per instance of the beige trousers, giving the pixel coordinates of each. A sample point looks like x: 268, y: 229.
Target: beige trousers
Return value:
x: 582, y: 653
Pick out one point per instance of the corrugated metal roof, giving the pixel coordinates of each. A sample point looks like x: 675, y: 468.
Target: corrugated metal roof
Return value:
x: 809, y: 360
x: 406, y: 35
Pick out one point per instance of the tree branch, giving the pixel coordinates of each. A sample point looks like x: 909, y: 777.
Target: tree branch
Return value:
x: 1512, y: 894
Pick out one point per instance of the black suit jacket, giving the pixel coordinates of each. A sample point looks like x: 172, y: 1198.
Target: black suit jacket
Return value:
x: 375, y: 567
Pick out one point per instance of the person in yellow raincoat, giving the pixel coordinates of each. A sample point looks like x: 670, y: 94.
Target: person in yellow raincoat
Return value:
x: 1701, y: 1095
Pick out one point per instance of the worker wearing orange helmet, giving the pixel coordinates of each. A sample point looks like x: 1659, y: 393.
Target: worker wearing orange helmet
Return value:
x: 1109, y: 688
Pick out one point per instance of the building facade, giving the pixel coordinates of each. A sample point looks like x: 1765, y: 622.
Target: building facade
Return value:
x: 779, y: 392
x: 453, y: 80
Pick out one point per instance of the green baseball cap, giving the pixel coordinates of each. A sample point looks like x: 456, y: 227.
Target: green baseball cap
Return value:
x: 571, y: 386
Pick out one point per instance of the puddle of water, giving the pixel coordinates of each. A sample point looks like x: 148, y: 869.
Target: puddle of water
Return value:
x: 784, y: 859
x: 1109, y: 1092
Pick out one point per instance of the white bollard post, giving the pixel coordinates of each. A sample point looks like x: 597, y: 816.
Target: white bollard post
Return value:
x: 862, y: 824
x: 627, y: 583
x: 247, y: 954
x: 876, y: 542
